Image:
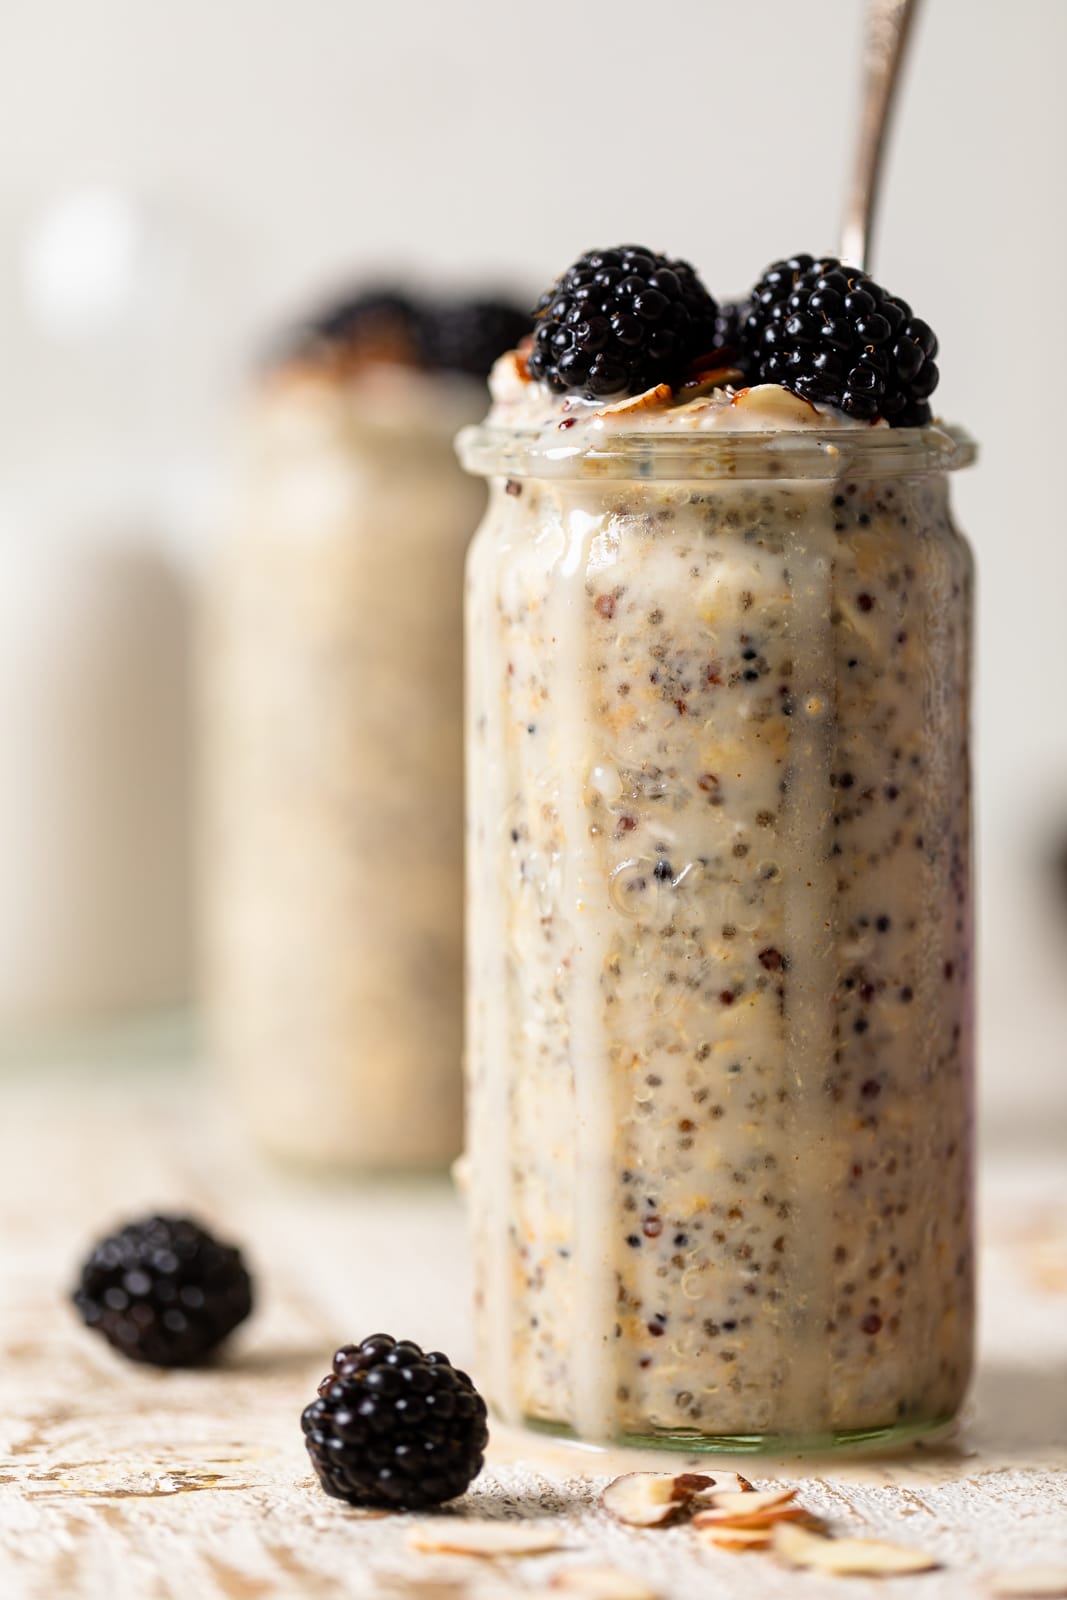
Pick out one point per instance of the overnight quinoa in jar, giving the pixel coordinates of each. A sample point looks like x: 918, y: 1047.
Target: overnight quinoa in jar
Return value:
x: 720, y: 1038
x: 332, y: 692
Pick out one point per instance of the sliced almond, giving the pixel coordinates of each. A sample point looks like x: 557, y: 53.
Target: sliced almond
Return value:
x: 764, y: 1520
x: 723, y: 1483
x: 463, y: 1536
x: 702, y: 382
x: 425, y: 1589
x: 658, y: 395
x: 511, y: 375
x: 738, y: 1538
x: 652, y: 1499
x: 861, y: 1558
x: 777, y: 404
x: 602, y: 1583
x: 1040, y: 1583
x: 724, y: 1503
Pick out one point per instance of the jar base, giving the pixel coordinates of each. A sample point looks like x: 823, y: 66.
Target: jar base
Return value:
x: 895, y: 1436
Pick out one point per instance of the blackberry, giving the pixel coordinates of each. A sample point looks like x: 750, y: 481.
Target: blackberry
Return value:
x: 163, y: 1290
x: 380, y: 323
x: 393, y: 1426
x: 619, y: 321
x: 468, y: 335
x: 833, y: 335
x: 387, y: 324
x: 729, y: 321
x: 372, y: 310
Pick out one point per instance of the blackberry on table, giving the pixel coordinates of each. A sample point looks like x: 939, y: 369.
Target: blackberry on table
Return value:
x: 833, y: 335
x: 395, y: 1426
x: 619, y: 321
x: 163, y: 1290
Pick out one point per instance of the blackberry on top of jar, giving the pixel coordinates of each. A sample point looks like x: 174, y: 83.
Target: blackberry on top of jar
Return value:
x: 619, y: 322
x: 834, y: 336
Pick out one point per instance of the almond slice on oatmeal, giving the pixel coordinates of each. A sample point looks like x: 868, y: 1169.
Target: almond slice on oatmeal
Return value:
x: 658, y: 395
x: 708, y: 378
x: 1030, y: 1583
x: 511, y: 375
x: 473, y: 1537
x: 776, y: 404
x: 653, y: 1499
x: 861, y: 1558
x: 602, y: 1583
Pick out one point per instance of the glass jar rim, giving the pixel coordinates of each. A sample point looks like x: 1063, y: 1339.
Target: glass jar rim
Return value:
x: 665, y: 453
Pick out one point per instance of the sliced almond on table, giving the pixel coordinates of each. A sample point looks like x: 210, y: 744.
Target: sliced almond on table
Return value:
x: 653, y: 1499
x: 860, y: 1558
x: 602, y: 1583
x: 757, y: 1510
x: 472, y: 1537
x: 737, y: 1538
x: 724, y: 1503
x: 723, y: 1483
x: 708, y: 1521
x: 425, y: 1589
x: 1041, y: 1583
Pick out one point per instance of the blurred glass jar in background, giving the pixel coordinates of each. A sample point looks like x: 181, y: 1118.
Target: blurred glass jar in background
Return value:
x: 332, y: 674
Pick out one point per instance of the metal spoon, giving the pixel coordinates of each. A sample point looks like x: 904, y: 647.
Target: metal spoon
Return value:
x: 888, y: 25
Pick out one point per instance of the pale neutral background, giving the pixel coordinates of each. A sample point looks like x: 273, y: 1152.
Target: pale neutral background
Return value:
x: 286, y: 144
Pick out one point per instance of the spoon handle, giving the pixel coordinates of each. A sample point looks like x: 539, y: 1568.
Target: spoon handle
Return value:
x: 888, y: 26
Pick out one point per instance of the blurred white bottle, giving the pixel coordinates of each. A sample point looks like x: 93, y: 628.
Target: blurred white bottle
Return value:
x: 95, y: 749
x: 94, y: 777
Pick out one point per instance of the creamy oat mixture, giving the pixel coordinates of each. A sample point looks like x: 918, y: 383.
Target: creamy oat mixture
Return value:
x: 720, y: 1042
x: 333, y: 693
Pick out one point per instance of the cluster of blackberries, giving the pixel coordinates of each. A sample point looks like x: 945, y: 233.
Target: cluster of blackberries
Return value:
x: 454, y: 335
x: 619, y: 321
x: 392, y: 1425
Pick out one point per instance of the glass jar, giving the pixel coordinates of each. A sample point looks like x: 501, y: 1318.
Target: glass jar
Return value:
x: 720, y: 1023
x: 333, y: 860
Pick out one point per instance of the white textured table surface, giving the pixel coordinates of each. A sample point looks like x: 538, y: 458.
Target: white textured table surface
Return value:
x: 121, y: 1482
